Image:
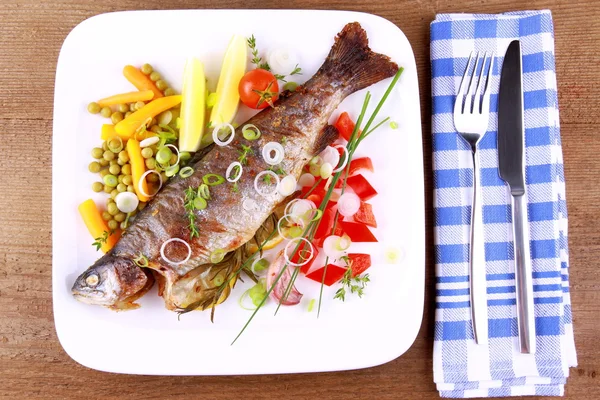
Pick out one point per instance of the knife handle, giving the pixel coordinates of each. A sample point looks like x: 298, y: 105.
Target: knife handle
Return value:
x: 477, y: 267
x: 523, y: 275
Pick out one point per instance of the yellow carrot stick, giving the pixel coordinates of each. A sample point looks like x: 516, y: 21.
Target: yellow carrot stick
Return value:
x: 141, y: 81
x: 108, y: 131
x: 129, y: 97
x: 96, y: 225
x: 138, y: 167
x: 134, y: 122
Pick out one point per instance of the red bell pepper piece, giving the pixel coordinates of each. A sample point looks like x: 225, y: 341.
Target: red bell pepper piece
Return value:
x: 333, y: 274
x: 297, y: 259
x: 325, y: 224
x: 361, y: 187
x: 345, y: 126
x: 360, y: 163
x: 359, y: 262
x: 358, y: 232
x: 365, y: 215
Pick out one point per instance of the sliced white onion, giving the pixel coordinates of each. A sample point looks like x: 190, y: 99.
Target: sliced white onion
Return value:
x: 127, y: 202
x: 144, y: 175
x: 346, y: 156
x: 285, y: 218
x: 335, y: 246
x: 306, y: 180
x: 216, y: 131
x: 328, y: 183
x: 326, y: 170
x: 330, y: 155
x: 162, y: 251
x: 176, y: 150
x: 348, y: 204
x: 300, y: 210
x: 230, y: 169
x: 269, y: 149
x: 287, y: 185
x: 295, y: 243
x: 282, y: 61
x: 250, y: 205
x: 259, y: 177
x: 149, y: 141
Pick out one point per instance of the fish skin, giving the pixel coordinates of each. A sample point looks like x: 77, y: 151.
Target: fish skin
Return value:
x: 301, y: 118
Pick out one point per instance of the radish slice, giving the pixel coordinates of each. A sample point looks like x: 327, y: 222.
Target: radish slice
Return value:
x: 306, y: 180
x: 280, y: 287
x: 282, y: 61
x: 216, y: 131
x: 273, y: 153
x: 162, y: 251
x: 287, y: 185
x: 336, y: 246
x: 144, y: 175
x: 348, y: 204
x: 127, y: 202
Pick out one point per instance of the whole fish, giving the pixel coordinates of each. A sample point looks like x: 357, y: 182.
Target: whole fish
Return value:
x: 235, y: 213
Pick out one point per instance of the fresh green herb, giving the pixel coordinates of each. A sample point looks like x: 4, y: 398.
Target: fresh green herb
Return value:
x: 190, y: 207
x: 267, y: 178
x: 277, y: 169
x: 283, y: 140
x: 297, y: 71
x: 280, y: 77
x: 167, y: 136
x: 394, y: 125
x: 141, y: 260
x: 356, y: 285
x: 213, y: 179
x: 256, y: 59
x: 244, y: 153
x: 235, y: 188
x: 99, y: 241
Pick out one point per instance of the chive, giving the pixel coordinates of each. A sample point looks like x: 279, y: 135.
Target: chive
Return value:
x: 311, y: 305
x: 213, y: 179
x: 250, y: 132
x: 199, y: 203
x: 394, y: 125
x: 204, y: 191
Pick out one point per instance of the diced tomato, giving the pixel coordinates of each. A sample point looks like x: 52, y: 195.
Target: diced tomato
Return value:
x: 361, y: 187
x: 296, y: 258
x: 360, y: 263
x: 365, y: 215
x: 360, y: 163
x: 333, y: 274
x: 345, y: 126
x: 358, y: 232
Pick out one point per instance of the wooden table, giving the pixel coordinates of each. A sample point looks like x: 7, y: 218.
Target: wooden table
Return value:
x: 32, y: 362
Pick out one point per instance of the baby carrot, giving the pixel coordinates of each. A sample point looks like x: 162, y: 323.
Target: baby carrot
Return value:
x: 133, y: 123
x: 96, y: 225
x: 140, y: 81
x: 129, y: 97
x: 138, y: 167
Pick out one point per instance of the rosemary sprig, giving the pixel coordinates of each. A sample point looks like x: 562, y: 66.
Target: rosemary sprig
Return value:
x: 190, y: 196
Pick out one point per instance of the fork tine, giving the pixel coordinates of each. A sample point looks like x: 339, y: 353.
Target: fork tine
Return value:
x: 477, y: 97
x: 469, y: 99
x: 458, y: 103
x: 485, y: 103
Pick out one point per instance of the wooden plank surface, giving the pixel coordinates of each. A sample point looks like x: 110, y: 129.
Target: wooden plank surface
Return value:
x: 32, y: 362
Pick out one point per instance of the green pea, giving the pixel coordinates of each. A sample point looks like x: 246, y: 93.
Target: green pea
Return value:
x: 124, y: 156
x: 139, y: 105
x: 155, y: 128
x: 120, y: 178
x: 97, y: 153
x: 126, y: 169
x: 151, y: 163
x: 164, y: 155
x: 127, y: 180
x: 94, y: 167
x: 173, y: 159
x: 132, y: 107
x: 112, y: 209
x: 94, y: 108
x: 130, y: 189
x: 106, y: 216
x: 154, y: 76
x: 114, y: 193
x: 121, y: 162
x: 146, y: 69
x: 108, y: 189
x: 106, y: 112
x: 146, y: 152
x: 164, y: 176
x: 169, y: 92
x: 110, y: 180
x: 123, y: 225
x: 104, y: 172
x: 123, y: 108
x: 128, y: 113
x: 120, y: 217
x: 108, y: 155
x: 121, y: 187
x: 97, y: 186
x: 184, y: 156
x: 104, y: 163
x: 112, y: 224
x: 161, y: 84
x: 116, y: 117
x: 114, y: 169
x: 104, y: 146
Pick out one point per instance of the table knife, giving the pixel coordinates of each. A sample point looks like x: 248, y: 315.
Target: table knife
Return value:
x: 511, y: 161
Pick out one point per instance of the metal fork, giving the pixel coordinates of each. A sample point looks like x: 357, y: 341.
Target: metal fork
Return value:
x: 471, y: 114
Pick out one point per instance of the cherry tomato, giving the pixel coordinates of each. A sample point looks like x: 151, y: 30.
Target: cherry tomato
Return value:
x: 258, y: 89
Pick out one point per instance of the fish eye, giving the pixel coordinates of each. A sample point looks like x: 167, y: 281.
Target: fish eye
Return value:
x: 92, y: 280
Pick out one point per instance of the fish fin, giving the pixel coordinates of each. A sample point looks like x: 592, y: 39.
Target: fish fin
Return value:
x: 353, y: 63
x: 129, y: 303
x: 328, y: 135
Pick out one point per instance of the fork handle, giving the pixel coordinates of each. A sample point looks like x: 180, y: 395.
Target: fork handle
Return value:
x: 477, y: 270
x: 523, y: 275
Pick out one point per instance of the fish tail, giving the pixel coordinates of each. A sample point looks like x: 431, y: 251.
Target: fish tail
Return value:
x: 352, y: 63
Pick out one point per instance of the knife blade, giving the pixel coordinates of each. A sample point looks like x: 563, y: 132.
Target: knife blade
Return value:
x: 511, y: 163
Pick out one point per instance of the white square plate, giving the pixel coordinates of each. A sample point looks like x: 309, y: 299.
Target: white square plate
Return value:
x: 151, y: 340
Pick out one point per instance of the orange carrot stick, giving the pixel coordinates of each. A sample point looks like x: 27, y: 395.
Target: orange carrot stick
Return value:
x: 138, y: 167
x: 129, y: 97
x: 140, y: 81
x: 96, y: 225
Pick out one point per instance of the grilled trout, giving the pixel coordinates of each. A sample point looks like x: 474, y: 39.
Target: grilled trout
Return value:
x: 299, y: 121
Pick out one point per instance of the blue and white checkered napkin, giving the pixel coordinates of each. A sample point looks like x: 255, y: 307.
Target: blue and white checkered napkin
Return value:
x: 462, y: 368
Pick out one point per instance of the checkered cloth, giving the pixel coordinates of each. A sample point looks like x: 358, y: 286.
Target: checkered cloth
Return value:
x: 462, y: 368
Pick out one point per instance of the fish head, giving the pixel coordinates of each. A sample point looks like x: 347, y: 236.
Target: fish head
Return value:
x: 109, y: 281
